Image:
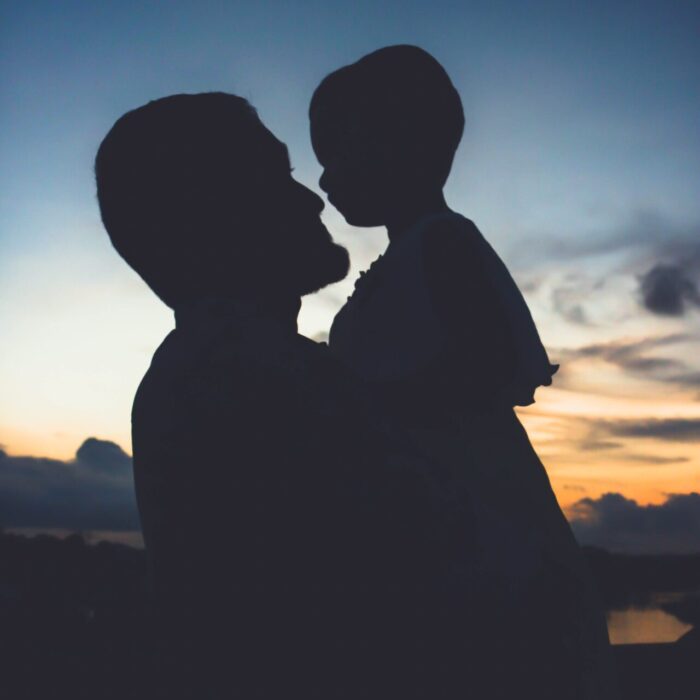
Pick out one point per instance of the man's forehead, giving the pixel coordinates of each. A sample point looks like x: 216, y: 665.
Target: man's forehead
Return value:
x: 269, y: 158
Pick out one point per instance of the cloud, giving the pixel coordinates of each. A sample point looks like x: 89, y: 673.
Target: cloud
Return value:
x: 651, y: 459
x: 688, y: 379
x: 634, y: 358
x: 669, y: 429
x: 629, y: 354
x: 622, y: 440
x: 592, y: 444
x: 668, y: 290
x: 571, y: 294
x: 567, y: 303
x: 103, y: 456
x: 663, y: 256
x: 94, y: 491
x: 621, y: 524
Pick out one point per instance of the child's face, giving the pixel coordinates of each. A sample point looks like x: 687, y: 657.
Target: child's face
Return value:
x: 359, y: 174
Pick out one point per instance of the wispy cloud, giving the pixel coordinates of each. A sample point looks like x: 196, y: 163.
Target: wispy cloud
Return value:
x: 636, y: 357
x: 628, y: 354
x: 569, y: 296
x: 645, y: 236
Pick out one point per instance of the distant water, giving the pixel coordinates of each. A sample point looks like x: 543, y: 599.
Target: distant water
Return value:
x: 649, y: 624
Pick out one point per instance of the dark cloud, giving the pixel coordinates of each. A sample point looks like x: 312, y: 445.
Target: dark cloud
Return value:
x: 688, y: 379
x: 592, y: 444
x: 651, y: 459
x: 671, y: 429
x: 668, y: 290
x: 94, y: 491
x: 104, y: 456
x: 621, y: 524
x: 595, y: 445
x: 649, y: 365
x: 602, y: 435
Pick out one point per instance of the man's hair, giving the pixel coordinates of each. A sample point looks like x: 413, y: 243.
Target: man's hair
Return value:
x: 171, y: 175
x: 403, y: 95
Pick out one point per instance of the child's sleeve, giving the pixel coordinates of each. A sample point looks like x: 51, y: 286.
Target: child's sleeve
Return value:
x: 478, y: 335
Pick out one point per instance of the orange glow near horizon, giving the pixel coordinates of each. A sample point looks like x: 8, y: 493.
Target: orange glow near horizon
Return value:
x: 559, y: 424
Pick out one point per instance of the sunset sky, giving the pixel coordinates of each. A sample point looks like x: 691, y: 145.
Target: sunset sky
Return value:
x: 580, y: 163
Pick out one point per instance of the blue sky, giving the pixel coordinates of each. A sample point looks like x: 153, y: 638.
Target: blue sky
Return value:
x: 580, y: 163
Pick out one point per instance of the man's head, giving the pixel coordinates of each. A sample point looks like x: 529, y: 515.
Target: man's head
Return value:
x: 385, y: 129
x: 198, y: 197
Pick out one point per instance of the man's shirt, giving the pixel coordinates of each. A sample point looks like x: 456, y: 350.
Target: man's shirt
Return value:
x: 287, y: 535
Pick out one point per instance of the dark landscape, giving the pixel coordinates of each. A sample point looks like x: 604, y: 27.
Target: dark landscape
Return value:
x: 76, y: 623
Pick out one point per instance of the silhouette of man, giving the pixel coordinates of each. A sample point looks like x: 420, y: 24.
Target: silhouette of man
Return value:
x: 295, y: 551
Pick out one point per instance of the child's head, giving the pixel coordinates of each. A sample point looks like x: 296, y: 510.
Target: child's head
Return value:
x: 385, y: 128
x: 197, y: 196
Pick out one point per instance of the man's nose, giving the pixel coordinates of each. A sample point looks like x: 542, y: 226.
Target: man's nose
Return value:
x: 323, y: 181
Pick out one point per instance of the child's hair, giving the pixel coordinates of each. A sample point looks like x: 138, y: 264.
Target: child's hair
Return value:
x: 401, y: 95
x: 167, y: 175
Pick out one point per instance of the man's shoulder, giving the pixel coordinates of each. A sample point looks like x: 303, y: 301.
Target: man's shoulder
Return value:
x: 231, y: 371
x: 285, y: 361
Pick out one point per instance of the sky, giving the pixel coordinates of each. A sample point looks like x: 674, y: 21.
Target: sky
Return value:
x: 580, y: 163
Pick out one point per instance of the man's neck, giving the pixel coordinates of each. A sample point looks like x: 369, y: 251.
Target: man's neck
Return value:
x: 412, y: 210
x: 282, y: 309
x: 277, y: 308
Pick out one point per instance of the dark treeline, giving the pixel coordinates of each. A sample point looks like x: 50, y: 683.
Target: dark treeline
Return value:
x: 77, y: 616
x: 74, y: 619
x: 626, y: 580
x: 43, y: 573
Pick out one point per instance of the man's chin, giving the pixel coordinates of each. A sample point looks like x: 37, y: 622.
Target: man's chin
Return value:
x: 329, y: 265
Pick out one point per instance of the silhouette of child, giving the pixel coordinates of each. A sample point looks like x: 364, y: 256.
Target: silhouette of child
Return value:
x: 438, y: 310
x: 440, y: 330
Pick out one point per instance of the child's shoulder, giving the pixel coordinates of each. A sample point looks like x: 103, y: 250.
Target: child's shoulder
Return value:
x: 449, y: 234
x: 450, y: 241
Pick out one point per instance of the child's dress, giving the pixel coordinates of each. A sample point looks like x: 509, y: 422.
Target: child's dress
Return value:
x: 448, y: 380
